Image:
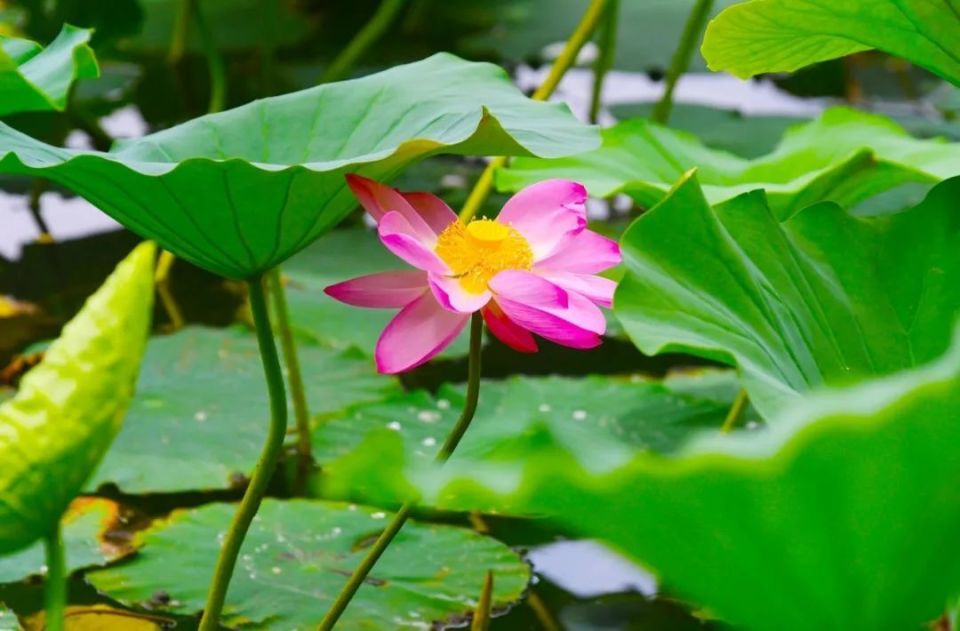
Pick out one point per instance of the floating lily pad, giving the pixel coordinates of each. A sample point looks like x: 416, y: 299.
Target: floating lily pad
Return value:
x: 36, y: 78
x: 56, y: 429
x: 201, y: 412
x: 843, y: 516
x: 342, y: 254
x: 785, y: 35
x: 240, y: 191
x: 603, y: 421
x: 297, y: 556
x: 84, y: 526
x: 845, y: 156
x: 821, y: 298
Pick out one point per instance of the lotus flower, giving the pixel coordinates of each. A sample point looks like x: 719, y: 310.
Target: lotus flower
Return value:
x: 530, y: 271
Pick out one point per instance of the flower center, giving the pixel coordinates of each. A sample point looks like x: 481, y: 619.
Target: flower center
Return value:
x: 479, y: 250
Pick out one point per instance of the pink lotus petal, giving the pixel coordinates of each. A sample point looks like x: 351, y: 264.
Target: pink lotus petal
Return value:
x: 574, y: 322
x: 547, y: 214
x: 453, y: 297
x: 586, y: 253
x: 550, y: 326
x: 387, y: 290
x: 433, y: 210
x: 596, y: 288
x: 379, y: 200
x: 508, y: 331
x: 421, y: 330
x: 399, y: 237
x: 529, y: 287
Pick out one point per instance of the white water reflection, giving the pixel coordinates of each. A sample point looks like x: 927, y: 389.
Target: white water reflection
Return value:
x: 587, y: 569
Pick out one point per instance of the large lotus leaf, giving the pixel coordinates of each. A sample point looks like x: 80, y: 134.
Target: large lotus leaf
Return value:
x: 820, y: 298
x: 240, y: 191
x: 8, y: 619
x: 33, y: 78
x: 199, y: 418
x: 844, y: 156
x: 602, y: 421
x: 297, y: 556
x: 785, y: 35
x: 54, y: 432
x: 342, y: 254
x: 84, y: 525
x: 843, y: 516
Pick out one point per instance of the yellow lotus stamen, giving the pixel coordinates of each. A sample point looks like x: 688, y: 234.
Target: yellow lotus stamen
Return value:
x: 478, y: 251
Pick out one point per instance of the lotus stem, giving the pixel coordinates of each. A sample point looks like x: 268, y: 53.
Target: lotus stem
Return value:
x: 301, y: 411
x: 692, y: 31
x: 162, y: 282
x: 736, y: 410
x: 608, y: 50
x: 586, y: 27
x: 366, y: 37
x: 481, y: 617
x: 55, y: 591
x: 400, y: 517
x: 272, y: 449
x: 215, y: 65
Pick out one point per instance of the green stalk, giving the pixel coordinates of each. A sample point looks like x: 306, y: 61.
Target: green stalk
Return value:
x: 366, y: 37
x: 481, y: 617
x: 178, y: 42
x: 265, y: 467
x: 586, y: 27
x: 608, y: 50
x: 692, y: 31
x: 301, y: 411
x: 399, y: 519
x: 735, y: 411
x: 55, y: 591
x: 215, y: 65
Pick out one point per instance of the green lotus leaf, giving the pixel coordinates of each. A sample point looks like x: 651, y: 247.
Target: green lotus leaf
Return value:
x: 297, y: 556
x: 199, y: 417
x: 786, y: 35
x: 240, y: 191
x: 8, y: 619
x: 84, y: 526
x: 602, y: 421
x: 842, y: 516
x: 33, y: 78
x: 820, y: 298
x: 56, y: 429
x: 845, y: 156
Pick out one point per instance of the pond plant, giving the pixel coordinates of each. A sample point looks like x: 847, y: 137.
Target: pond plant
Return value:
x: 794, y: 469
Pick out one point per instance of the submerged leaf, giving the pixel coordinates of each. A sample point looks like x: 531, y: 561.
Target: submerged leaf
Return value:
x: 240, y: 191
x: 845, y: 156
x: 199, y: 417
x: 33, y: 78
x: 56, y: 429
x: 84, y: 525
x: 819, y: 298
x: 297, y: 556
x: 785, y: 35
x: 602, y: 421
x: 843, y: 516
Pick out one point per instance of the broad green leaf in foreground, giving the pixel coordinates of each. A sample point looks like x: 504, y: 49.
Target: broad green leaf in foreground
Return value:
x: 843, y: 516
x: 84, y: 526
x: 785, y: 35
x: 601, y: 421
x: 240, y: 191
x: 820, y: 298
x: 845, y: 156
x: 342, y: 254
x: 54, y: 432
x: 298, y: 555
x: 33, y: 78
x: 199, y: 417
x: 8, y: 619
